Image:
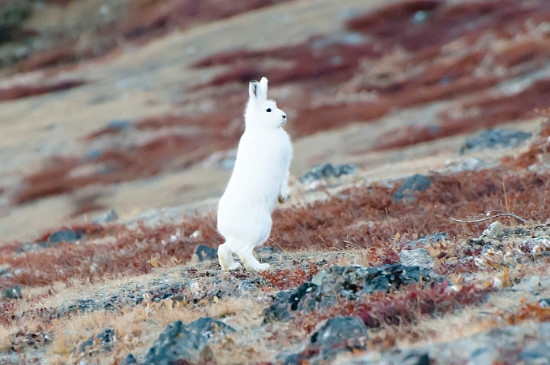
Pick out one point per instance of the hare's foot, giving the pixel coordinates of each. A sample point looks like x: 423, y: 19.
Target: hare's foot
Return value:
x: 226, y: 258
x: 251, y: 263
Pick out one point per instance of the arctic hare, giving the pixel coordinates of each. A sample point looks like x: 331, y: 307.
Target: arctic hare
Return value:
x: 259, y: 179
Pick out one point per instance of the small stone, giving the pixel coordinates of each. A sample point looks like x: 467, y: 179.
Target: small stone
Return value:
x: 544, y: 303
x: 65, y: 236
x: 326, y: 170
x: 129, y: 360
x: 494, y: 138
x: 474, y: 164
x: 206, y: 253
x: 533, y: 282
x: 410, y: 185
x: 422, y: 241
x: 12, y: 292
x: 106, y: 217
x: 418, y: 257
x: 495, y: 230
x: 119, y: 124
x: 106, y: 339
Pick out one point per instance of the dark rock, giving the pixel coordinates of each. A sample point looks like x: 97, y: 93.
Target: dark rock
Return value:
x: 410, y: 185
x: 206, y: 253
x: 340, y: 330
x: 180, y: 343
x: 106, y: 217
x: 129, y: 360
x: 105, y: 339
x: 327, y: 170
x: 337, y: 335
x: 12, y: 292
x: 422, y: 241
x: 82, y: 305
x: 65, y: 235
x: 344, y: 282
x: 544, y: 303
x: 4, y: 271
x: 493, y: 138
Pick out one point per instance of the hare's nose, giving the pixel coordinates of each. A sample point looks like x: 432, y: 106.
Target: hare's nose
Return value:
x: 284, y: 116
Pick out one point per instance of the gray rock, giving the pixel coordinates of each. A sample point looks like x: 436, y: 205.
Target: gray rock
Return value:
x: 206, y: 253
x: 344, y: 282
x: 544, y: 303
x: 326, y: 170
x: 105, y: 339
x: 106, y: 217
x: 65, y: 235
x: 422, y: 241
x: 494, y: 138
x: 119, y: 124
x: 474, y: 164
x: 527, y: 343
x: 180, y: 343
x: 410, y: 186
x: 416, y: 257
x: 337, y: 335
x: 12, y: 292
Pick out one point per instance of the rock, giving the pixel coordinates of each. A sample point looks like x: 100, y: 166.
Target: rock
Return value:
x: 65, y: 235
x: 12, y: 292
x: 105, y: 339
x: 344, y: 282
x: 418, y: 257
x: 526, y: 343
x: 337, y: 335
x: 180, y: 343
x: 537, y: 353
x: 544, y: 303
x: 119, y: 124
x: 495, y: 230
x: 106, y: 217
x: 129, y: 360
x: 268, y: 250
x: 340, y: 330
x: 82, y: 305
x: 206, y: 253
x: 326, y: 170
x: 410, y: 185
x: 4, y: 271
x: 474, y: 164
x: 494, y: 138
x: 422, y: 241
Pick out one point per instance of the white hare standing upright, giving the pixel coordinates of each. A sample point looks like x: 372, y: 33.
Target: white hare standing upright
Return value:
x: 259, y: 179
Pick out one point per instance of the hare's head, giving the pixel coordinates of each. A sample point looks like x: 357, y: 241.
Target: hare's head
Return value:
x: 261, y: 112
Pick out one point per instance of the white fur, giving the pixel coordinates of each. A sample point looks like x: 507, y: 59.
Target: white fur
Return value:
x: 259, y: 179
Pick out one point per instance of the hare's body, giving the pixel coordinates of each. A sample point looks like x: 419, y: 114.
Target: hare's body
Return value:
x: 258, y: 180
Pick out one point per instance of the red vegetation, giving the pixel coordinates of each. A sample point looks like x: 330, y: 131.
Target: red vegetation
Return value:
x: 23, y: 91
x: 403, y: 307
x: 528, y: 312
x: 289, y: 278
x: 123, y: 251
x: 446, y: 50
x: 366, y: 217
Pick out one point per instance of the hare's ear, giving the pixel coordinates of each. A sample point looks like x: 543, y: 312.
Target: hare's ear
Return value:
x: 258, y: 90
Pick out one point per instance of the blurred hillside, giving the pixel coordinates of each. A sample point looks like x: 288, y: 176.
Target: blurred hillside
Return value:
x: 137, y: 105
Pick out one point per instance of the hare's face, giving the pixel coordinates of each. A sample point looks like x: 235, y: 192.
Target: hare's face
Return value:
x: 260, y: 111
x: 266, y: 115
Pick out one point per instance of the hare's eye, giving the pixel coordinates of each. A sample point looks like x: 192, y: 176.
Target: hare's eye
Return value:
x: 268, y: 110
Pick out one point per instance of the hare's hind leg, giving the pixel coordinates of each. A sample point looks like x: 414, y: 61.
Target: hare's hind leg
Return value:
x: 225, y: 255
x: 250, y: 262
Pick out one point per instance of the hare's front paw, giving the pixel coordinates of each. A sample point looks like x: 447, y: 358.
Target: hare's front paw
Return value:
x: 282, y: 198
